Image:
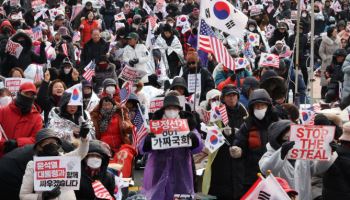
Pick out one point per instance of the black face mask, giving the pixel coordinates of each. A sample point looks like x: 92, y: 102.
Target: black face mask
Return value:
x: 22, y: 42
x: 87, y: 96
x: 137, y: 21
x: 24, y: 103
x: 50, y: 149
x: 6, y: 30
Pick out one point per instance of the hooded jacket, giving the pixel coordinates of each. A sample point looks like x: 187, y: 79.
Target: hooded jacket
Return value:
x: 26, y: 57
x: 346, y: 83
x: 65, y: 124
x: 299, y: 175
x: 107, y: 179
x: 252, y: 136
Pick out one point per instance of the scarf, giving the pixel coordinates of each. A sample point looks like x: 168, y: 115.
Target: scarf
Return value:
x: 106, y: 118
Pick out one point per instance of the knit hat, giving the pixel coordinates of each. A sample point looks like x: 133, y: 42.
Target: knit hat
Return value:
x: 171, y: 101
x: 44, y: 134
x: 109, y: 82
x: 192, y: 55
x: 212, y: 94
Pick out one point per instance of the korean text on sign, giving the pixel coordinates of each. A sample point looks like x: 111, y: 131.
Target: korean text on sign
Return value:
x: 50, y: 172
x: 170, y: 133
x: 311, y: 142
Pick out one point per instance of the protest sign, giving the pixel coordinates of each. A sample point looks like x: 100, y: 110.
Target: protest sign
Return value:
x: 170, y: 133
x: 192, y: 83
x: 132, y: 74
x: 311, y: 142
x: 13, y: 84
x: 76, y: 10
x: 156, y: 104
x: 13, y: 48
x: 256, y: 10
x: 119, y: 25
x: 37, y: 5
x: 63, y: 171
x: 37, y: 33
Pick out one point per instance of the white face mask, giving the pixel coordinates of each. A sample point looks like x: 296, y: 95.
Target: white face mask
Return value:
x: 304, y: 15
x: 251, y: 28
x: 171, y: 114
x: 66, y: 70
x: 4, y: 101
x: 215, y: 104
x: 260, y: 114
x: 110, y: 90
x: 94, y: 162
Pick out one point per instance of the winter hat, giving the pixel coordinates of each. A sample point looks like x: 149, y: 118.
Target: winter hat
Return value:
x: 346, y: 132
x: 192, y: 55
x: 249, y: 83
x: 282, y: 25
x: 212, y: 94
x: 273, y: 84
x: 103, y: 58
x: 44, y: 134
x: 66, y: 62
x: 167, y: 28
x: 229, y: 89
x: 86, y: 83
x: 321, y: 119
x: 179, y: 81
x: 275, y: 131
x: 171, y: 101
x: 109, y: 82
x: 137, y: 16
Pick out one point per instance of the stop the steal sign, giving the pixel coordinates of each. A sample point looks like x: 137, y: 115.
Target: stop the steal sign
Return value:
x: 311, y: 142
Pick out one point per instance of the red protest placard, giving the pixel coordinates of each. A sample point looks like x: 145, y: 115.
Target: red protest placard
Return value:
x: 13, y: 48
x: 164, y: 125
x: 311, y: 142
x: 156, y: 104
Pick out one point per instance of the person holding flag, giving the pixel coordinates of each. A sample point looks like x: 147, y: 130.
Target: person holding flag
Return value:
x: 113, y: 126
x: 223, y: 177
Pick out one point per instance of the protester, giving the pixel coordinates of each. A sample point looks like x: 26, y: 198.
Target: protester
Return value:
x: 90, y: 99
x: 86, y: 27
x: 20, y: 120
x: 104, y: 70
x: 47, y: 144
x: 162, y: 174
x: 68, y: 74
x: 94, y: 48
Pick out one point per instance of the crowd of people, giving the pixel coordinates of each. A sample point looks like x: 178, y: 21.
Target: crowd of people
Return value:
x: 59, y: 41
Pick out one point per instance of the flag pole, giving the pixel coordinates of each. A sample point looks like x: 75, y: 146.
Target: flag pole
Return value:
x: 296, y: 96
x: 312, y: 55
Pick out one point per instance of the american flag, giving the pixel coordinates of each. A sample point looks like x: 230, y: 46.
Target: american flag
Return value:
x: 100, y: 191
x: 37, y: 77
x: 125, y: 92
x: 207, y: 42
x: 223, y: 114
x: 139, y: 131
x: 89, y: 71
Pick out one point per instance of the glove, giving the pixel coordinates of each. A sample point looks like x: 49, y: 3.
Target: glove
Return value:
x: 334, y: 146
x: 51, y: 194
x: 147, y: 145
x: 235, y: 152
x: 10, y: 145
x: 131, y: 63
x: 84, y: 130
x: 233, y: 77
x: 285, y: 148
x: 194, y: 139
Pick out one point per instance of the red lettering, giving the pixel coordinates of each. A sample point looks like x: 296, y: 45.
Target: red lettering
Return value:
x: 300, y: 132
x: 294, y: 154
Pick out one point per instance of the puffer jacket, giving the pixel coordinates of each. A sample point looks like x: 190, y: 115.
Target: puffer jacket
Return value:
x: 27, y: 189
x: 22, y: 128
x: 64, y: 124
x: 140, y: 52
x: 326, y: 50
x: 298, y: 175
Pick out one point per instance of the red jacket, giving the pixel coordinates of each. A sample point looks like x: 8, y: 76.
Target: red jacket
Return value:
x: 22, y: 128
x: 86, y: 31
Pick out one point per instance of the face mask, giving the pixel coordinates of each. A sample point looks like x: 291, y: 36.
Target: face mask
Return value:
x: 137, y: 21
x: 171, y: 24
x: 215, y: 104
x: 110, y: 90
x: 251, y: 28
x: 304, y: 15
x: 24, y: 103
x: 171, y: 114
x: 4, y: 101
x: 260, y: 114
x: 66, y: 70
x: 50, y: 149
x: 94, y: 162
